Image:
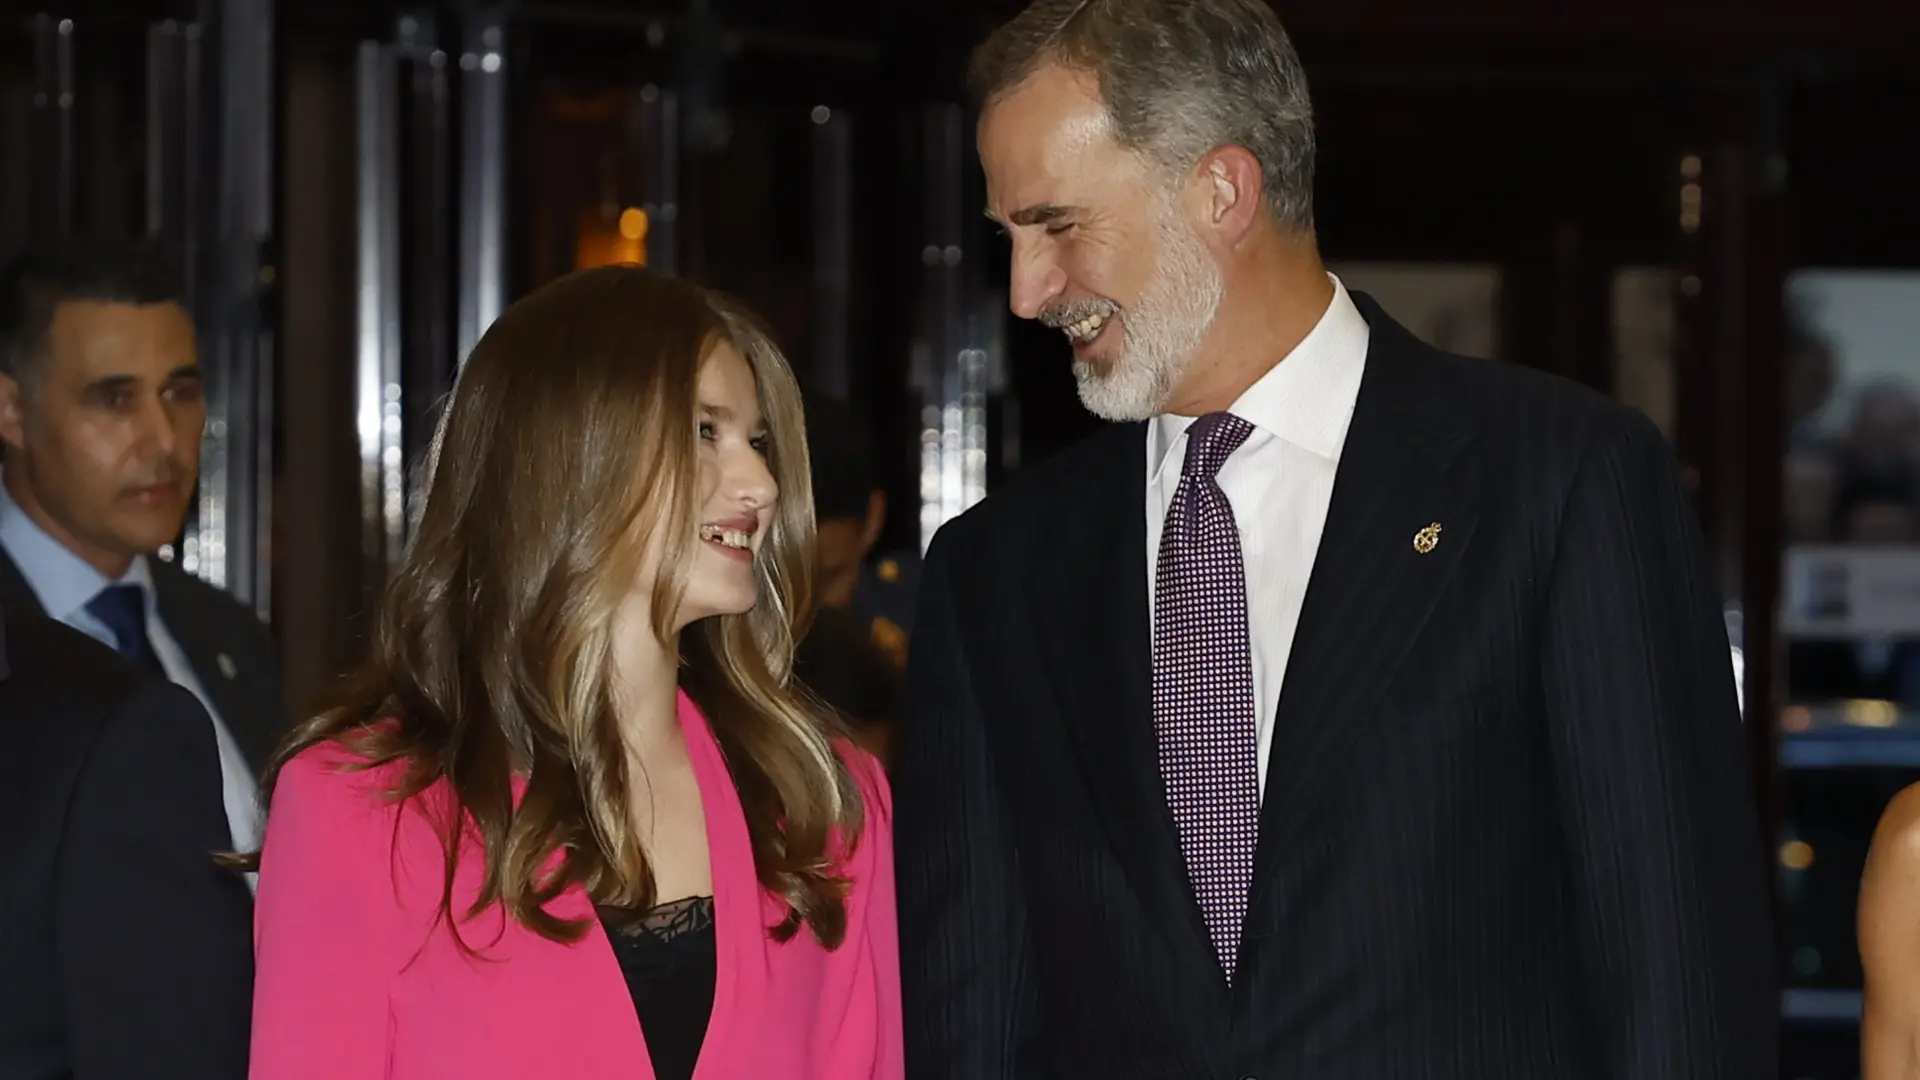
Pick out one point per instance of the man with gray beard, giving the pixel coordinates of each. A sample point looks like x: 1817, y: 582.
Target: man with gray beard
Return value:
x: 1347, y: 709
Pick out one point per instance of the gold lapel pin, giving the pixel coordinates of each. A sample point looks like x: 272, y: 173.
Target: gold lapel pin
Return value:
x: 1427, y: 539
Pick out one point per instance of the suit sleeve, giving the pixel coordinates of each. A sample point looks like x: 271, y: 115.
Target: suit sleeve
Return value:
x: 1671, y: 890
x: 150, y: 933
x: 970, y: 1003
x: 325, y: 917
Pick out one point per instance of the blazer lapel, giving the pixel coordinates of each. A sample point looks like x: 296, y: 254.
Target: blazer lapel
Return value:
x: 248, y: 720
x: 15, y: 593
x: 1373, y: 585
x: 1089, y: 608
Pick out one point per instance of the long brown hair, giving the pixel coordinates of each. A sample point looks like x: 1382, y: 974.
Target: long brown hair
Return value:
x: 569, y: 444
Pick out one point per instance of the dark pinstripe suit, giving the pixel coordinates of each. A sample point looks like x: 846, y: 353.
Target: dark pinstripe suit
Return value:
x: 1507, y: 829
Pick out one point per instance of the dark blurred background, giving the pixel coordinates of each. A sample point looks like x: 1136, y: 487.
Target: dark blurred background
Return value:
x: 1706, y: 208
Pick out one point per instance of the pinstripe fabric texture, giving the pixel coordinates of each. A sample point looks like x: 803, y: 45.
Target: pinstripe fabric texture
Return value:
x: 1507, y: 829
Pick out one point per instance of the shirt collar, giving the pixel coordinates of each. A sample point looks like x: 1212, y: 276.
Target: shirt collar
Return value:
x: 62, y: 580
x: 1306, y: 399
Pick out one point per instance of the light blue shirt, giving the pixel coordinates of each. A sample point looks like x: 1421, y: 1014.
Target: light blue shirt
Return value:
x: 65, y: 583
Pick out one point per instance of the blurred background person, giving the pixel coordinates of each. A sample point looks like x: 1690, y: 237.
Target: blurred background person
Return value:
x: 852, y: 510
x: 854, y: 655
x: 1881, y: 441
x: 124, y: 950
x: 582, y: 666
x: 101, y: 414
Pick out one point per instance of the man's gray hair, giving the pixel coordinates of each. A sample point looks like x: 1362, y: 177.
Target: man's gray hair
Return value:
x: 1178, y: 79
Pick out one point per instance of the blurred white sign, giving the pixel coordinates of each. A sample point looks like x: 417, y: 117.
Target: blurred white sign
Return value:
x: 1846, y: 592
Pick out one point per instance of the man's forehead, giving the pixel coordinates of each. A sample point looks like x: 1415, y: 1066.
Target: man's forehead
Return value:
x: 1043, y: 148
x: 99, y: 337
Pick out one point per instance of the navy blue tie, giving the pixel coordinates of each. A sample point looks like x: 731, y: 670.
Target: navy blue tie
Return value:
x: 123, y: 608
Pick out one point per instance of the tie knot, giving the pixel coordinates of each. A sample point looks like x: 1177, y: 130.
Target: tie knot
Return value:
x: 1211, y: 440
x: 123, y: 608
x: 121, y: 601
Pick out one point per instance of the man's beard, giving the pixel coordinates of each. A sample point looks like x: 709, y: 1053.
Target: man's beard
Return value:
x: 1159, y: 334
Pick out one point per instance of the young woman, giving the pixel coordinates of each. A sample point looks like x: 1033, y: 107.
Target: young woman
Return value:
x: 571, y: 820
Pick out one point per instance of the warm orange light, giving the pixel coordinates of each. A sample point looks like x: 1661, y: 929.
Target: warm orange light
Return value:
x: 1796, y: 854
x: 603, y: 243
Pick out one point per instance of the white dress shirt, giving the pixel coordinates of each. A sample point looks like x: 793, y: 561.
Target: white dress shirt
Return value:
x: 1280, y: 482
x: 65, y: 583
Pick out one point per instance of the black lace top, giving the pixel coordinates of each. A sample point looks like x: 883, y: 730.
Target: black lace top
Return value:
x: 669, y: 960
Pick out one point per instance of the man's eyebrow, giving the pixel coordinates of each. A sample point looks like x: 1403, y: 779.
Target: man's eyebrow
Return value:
x: 112, y: 384
x: 1035, y: 214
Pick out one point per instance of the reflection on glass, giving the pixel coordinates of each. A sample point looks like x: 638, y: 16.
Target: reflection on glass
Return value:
x: 1643, y: 342
x: 1852, y: 498
x: 1451, y: 306
x: 1850, y: 607
x: 1853, y: 393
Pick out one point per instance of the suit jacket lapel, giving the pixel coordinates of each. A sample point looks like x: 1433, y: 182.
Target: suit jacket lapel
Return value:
x: 1089, y: 608
x: 15, y: 593
x: 1372, y: 587
x: 246, y: 720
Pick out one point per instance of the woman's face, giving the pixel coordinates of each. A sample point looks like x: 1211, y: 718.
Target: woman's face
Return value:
x: 734, y: 494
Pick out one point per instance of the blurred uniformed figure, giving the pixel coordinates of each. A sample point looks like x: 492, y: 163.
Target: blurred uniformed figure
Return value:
x: 852, y: 510
x: 855, y: 655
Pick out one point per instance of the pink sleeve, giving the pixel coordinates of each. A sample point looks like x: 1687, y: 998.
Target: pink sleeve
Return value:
x: 325, y: 914
x: 876, y: 932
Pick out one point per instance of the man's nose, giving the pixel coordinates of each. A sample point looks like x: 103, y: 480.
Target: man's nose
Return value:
x: 156, y: 427
x: 1035, y: 280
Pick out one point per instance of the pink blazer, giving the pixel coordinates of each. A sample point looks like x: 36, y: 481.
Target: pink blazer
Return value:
x: 355, y: 981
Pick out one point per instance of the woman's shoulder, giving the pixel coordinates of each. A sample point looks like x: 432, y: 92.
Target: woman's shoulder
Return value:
x: 1889, y: 914
x: 335, y: 772
x: 1888, y: 921
x: 338, y: 816
x: 1896, y: 839
x: 331, y: 790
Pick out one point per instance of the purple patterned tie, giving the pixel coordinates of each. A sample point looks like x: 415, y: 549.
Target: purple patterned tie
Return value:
x: 1203, y: 685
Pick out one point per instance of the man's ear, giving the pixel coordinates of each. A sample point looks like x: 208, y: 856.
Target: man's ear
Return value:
x: 13, y: 413
x: 1233, y: 190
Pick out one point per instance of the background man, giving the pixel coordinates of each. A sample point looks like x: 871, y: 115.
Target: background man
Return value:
x: 101, y: 411
x: 855, y: 654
